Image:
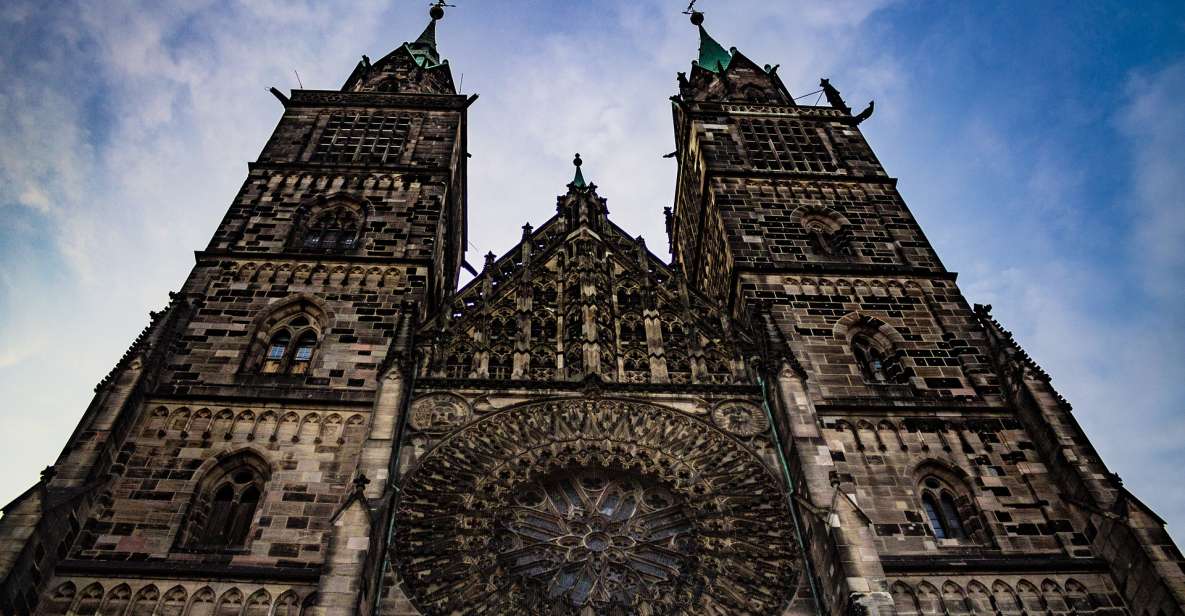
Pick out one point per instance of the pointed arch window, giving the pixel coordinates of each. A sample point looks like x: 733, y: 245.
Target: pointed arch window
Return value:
x: 329, y: 224
x: 332, y: 229
x: 876, y: 363
x: 827, y: 235
x: 277, y: 350
x: 942, y: 512
x: 282, y: 355
x: 303, y: 354
x: 821, y: 239
x: 226, y: 503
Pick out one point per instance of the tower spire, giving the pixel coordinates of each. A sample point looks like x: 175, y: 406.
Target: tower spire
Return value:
x: 424, y: 48
x: 712, y: 55
x: 578, y: 181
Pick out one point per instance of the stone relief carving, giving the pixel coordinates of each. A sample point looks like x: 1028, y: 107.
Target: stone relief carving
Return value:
x: 741, y: 418
x: 438, y: 412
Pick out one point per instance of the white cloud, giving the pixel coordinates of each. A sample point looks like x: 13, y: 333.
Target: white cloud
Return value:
x: 184, y: 85
x: 1154, y: 121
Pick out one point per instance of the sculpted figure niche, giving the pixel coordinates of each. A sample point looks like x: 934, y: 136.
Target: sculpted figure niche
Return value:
x: 604, y: 507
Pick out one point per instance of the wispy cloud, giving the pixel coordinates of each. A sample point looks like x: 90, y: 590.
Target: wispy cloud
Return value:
x: 126, y: 126
x: 1154, y: 121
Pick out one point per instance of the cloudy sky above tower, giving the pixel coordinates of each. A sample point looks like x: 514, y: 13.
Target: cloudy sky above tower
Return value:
x: 1038, y: 145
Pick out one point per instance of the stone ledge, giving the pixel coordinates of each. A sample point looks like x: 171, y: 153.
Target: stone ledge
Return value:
x: 189, y: 570
x: 966, y: 565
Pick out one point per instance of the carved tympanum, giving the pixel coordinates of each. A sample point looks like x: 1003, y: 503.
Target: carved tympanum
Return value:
x: 600, y: 507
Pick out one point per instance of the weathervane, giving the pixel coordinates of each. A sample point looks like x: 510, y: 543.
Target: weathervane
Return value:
x: 437, y: 10
x: 697, y: 17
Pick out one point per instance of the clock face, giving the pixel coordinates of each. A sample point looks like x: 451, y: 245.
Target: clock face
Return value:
x: 594, y: 507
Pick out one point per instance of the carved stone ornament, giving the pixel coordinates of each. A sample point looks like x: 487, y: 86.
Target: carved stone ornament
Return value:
x: 741, y: 418
x: 603, y: 507
x: 438, y: 412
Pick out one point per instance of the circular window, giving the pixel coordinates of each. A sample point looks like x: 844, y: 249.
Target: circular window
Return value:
x: 605, y: 507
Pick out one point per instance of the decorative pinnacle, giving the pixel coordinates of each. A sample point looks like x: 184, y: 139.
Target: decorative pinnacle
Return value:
x: 697, y: 17
x: 578, y: 181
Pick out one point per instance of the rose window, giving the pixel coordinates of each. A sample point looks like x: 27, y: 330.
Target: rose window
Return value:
x: 595, y: 537
x: 606, y: 508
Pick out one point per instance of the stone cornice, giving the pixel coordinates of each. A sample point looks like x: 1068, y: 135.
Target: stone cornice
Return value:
x: 965, y: 564
x: 336, y: 98
x: 603, y: 388
x: 864, y: 270
x: 338, y: 168
x: 212, y: 256
x: 935, y: 408
x: 253, y: 394
x: 172, y: 569
x: 712, y: 174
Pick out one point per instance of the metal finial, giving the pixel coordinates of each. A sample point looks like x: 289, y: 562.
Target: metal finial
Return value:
x: 577, y: 161
x: 437, y: 10
x: 697, y: 17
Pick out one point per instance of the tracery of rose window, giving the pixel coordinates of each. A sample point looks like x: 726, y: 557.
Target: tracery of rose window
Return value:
x: 595, y: 537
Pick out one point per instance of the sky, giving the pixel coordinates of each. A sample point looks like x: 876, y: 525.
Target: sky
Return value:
x: 1038, y: 144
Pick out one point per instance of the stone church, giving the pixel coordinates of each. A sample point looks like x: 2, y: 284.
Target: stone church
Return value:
x: 800, y: 414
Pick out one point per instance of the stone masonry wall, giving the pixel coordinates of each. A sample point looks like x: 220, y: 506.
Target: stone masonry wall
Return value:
x: 312, y: 451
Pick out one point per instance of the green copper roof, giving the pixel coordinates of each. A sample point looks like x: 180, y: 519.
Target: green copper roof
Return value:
x: 712, y: 56
x: 424, y: 49
x: 578, y: 181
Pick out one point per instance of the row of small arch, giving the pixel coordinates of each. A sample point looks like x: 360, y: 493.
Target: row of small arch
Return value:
x: 65, y: 600
x: 375, y: 277
x: 854, y: 287
x: 828, y: 193
x: 862, y: 443
x: 306, y: 182
x: 1001, y: 598
x: 226, y: 424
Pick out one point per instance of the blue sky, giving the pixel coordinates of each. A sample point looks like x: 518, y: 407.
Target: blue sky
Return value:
x: 1038, y: 143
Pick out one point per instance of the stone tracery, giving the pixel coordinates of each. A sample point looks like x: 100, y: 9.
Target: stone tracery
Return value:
x: 611, y: 506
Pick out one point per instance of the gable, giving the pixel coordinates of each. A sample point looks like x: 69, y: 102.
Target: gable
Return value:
x: 579, y: 298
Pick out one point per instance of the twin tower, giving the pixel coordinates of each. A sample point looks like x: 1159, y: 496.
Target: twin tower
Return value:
x: 800, y: 414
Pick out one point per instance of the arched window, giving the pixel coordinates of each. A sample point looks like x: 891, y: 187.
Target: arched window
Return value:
x: 226, y: 502
x: 304, y: 352
x: 942, y: 512
x: 284, y: 357
x: 820, y: 238
x: 277, y: 351
x: 877, y: 365
x: 826, y: 235
x: 332, y: 229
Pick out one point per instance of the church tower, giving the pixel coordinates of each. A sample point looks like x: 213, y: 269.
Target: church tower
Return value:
x: 215, y: 470
x: 800, y: 415
x: 938, y: 470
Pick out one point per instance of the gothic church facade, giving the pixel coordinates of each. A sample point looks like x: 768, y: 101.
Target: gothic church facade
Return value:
x: 800, y: 414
